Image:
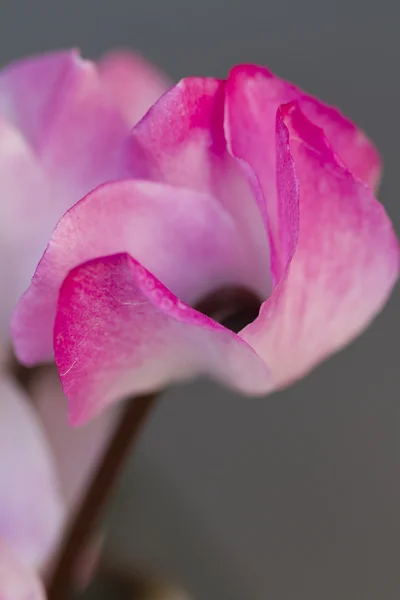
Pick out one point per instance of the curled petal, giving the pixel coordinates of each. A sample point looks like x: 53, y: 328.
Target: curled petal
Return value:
x: 182, y: 135
x: 258, y: 140
x: 17, y: 581
x: 133, y: 83
x: 119, y: 331
x: 350, y: 143
x: 343, y: 269
x: 187, y: 239
x: 181, y: 141
x: 31, y: 510
x: 263, y: 93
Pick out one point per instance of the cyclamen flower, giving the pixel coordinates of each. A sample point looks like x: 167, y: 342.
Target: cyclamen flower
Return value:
x: 247, y: 182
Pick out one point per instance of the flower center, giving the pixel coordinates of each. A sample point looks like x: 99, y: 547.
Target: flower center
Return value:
x: 234, y: 307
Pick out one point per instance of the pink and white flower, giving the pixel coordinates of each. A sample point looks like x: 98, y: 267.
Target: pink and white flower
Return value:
x: 247, y: 182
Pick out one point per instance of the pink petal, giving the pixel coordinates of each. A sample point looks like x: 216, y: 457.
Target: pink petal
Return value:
x: 351, y: 144
x: 251, y: 84
x: 259, y: 142
x: 187, y: 239
x: 20, y: 221
x: 17, y: 581
x: 120, y: 332
x: 133, y: 83
x: 182, y: 135
x: 345, y: 264
x: 31, y: 510
x: 29, y: 88
x: 181, y: 141
x: 76, y: 451
x: 59, y: 103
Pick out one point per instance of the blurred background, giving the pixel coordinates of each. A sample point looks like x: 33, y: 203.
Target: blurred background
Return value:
x: 296, y: 495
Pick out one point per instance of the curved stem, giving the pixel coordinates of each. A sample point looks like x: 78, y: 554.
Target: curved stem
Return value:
x: 109, y: 467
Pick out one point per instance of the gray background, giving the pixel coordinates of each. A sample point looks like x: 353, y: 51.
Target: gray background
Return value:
x: 298, y: 495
